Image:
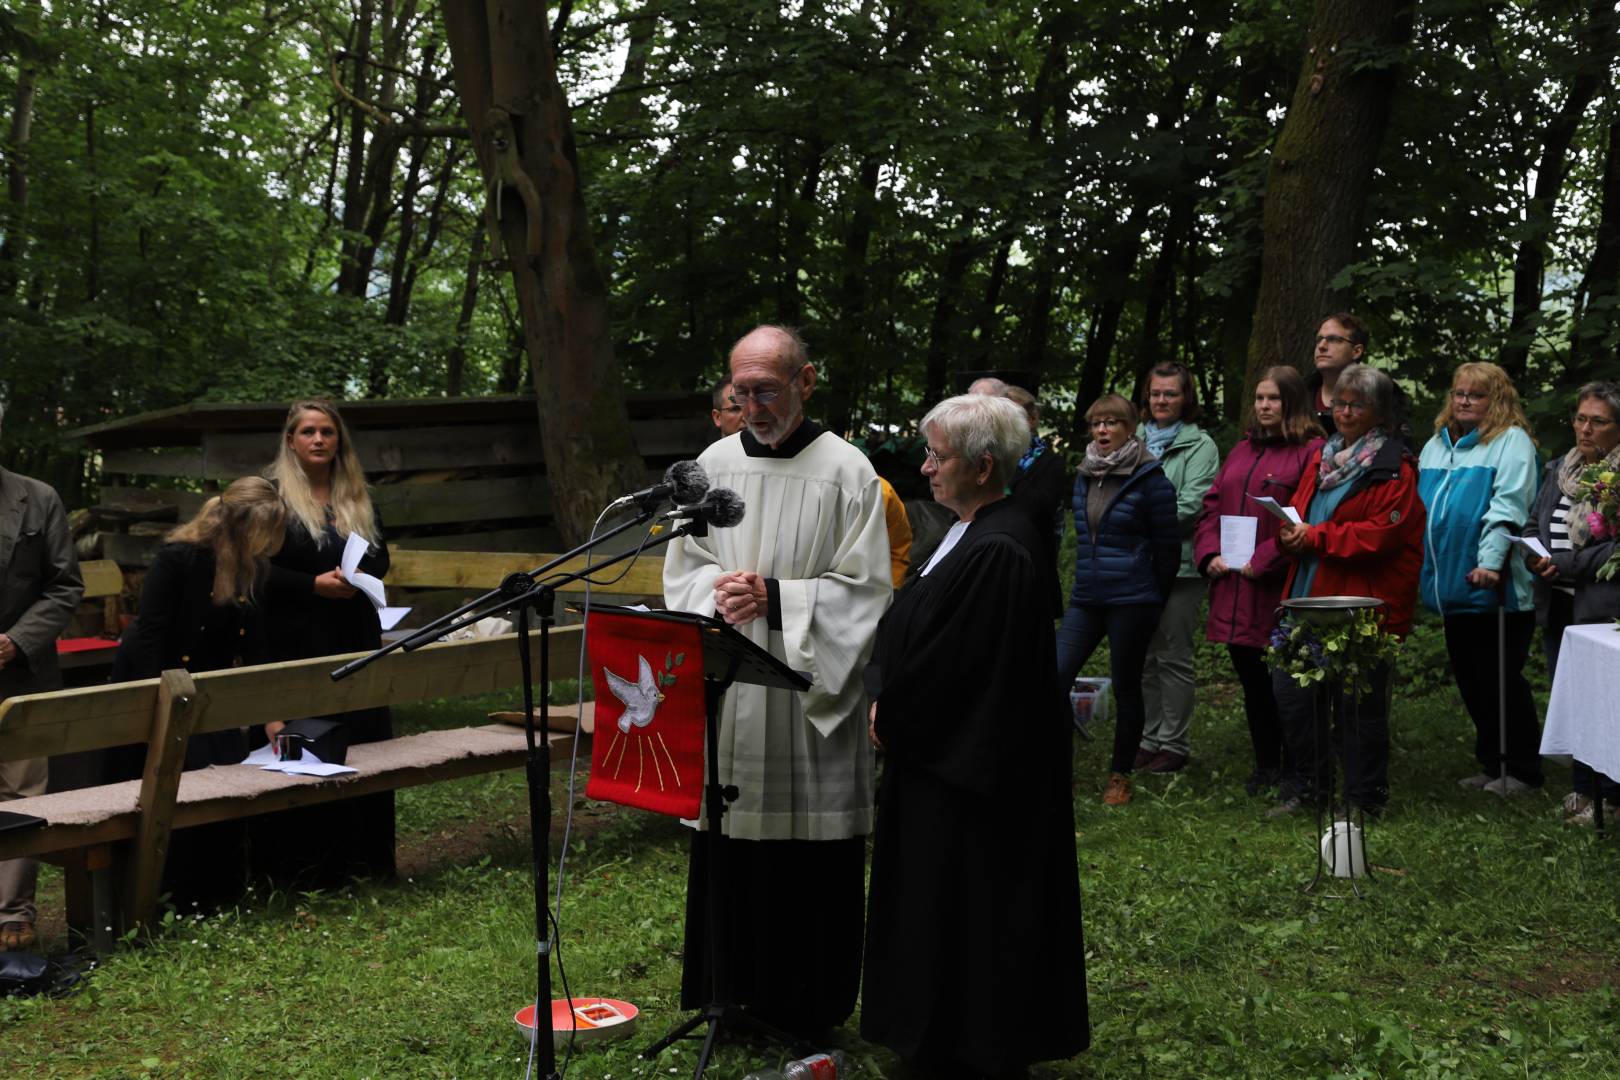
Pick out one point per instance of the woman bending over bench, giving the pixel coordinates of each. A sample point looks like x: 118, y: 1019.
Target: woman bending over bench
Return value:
x: 201, y: 610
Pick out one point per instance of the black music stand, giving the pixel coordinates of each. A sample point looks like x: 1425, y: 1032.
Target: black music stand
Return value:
x: 727, y: 657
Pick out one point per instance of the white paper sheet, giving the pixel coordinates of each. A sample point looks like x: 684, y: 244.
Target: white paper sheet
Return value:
x: 354, y: 549
x: 308, y: 765
x: 390, y: 616
x: 1277, y: 509
x: 1237, y: 540
x: 1533, y: 544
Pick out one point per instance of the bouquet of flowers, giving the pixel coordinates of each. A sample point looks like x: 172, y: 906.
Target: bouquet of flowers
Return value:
x: 1598, y: 498
x: 1311, y: 652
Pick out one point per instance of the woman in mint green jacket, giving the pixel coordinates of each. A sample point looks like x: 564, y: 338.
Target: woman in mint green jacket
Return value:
x: 1478, y: 478
x: 1190, y: 460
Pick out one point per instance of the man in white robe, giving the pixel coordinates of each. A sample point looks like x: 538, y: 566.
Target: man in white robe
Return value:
x: 805, y: 576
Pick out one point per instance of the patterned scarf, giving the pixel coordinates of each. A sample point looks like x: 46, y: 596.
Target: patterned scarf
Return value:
x: 1097, y: 463
x: 1569, y: 482
x: 1341, y: 464
x: 1160, y: 438
x: 1036, y: 448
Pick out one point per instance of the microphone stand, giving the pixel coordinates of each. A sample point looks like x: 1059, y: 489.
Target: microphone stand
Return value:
x: 514, y: 585
x: 520, y: 590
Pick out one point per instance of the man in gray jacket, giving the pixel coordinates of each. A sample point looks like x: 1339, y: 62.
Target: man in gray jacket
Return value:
x: 39, y: 588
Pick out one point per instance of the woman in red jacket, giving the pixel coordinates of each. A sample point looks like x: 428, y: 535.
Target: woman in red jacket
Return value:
x: 1281, y: 437
x: 1362, y: 535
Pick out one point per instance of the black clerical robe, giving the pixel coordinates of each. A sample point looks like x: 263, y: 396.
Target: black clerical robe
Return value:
x: 975, y: 889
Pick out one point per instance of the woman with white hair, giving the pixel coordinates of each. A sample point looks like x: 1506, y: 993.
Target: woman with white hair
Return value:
x: 965, y: 711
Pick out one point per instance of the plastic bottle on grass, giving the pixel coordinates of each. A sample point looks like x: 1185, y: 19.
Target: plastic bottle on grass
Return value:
x: 828, y: 1065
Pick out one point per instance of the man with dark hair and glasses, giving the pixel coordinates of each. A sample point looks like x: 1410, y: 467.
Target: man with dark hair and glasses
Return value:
x: 806, y: 575
x: 1342, y: 340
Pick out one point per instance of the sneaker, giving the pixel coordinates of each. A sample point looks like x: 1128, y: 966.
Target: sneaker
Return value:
x: 1119, y: 790
x: 1291, y: 805
x: 17, y: 936
x: 1167, y: 761
x: 1583, y: 816
x: 1477, y: 781
x: 1144, y: 756
x: 1515, y: 786
x: 1575, y: 802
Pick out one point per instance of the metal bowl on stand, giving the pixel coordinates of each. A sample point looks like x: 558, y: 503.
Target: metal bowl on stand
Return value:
x: 1328, y: 610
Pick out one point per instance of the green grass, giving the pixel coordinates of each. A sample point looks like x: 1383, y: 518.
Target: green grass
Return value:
x: 1486, y: 946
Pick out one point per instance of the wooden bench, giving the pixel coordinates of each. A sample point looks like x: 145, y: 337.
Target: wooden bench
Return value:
x: 118, y: 834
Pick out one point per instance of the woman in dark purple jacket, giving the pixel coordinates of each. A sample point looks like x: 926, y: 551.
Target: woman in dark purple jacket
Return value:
x: 1281, y: 436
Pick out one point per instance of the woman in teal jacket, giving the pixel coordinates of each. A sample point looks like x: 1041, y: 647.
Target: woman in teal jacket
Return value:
x: 1477, y: 477
x: 1190, y: 461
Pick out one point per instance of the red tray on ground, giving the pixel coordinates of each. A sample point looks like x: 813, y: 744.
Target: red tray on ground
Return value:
x: 591, y: 1019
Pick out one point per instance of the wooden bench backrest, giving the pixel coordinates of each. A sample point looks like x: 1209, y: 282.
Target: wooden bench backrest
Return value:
x: 102, y: 577
x: 98, y: 717
x: 484, y: 570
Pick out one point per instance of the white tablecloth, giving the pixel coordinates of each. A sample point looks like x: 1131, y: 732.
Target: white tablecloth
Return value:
x: 1583, y: 715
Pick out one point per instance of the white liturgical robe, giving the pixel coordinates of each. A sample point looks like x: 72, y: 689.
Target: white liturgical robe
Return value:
x: 814, y: 522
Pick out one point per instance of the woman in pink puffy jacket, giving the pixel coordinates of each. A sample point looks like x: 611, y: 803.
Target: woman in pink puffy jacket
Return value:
x: 1280, y: 437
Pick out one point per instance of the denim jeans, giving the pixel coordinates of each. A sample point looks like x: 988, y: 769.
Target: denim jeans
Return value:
x: 1129, y: 628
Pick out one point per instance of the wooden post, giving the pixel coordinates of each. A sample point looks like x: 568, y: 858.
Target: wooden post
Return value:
x: 177, y: 711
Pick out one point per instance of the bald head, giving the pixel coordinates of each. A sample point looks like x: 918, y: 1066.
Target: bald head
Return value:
x: 770, y: 362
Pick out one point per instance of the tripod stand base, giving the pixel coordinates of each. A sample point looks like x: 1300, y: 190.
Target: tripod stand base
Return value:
x: 730, y: 1018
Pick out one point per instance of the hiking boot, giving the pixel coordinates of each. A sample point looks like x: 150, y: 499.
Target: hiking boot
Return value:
x: 1291, y: 805
x: 1118, y: 792
x: 1514, y: 786
x: 1477, y: 781
x: 1167, y: 761
x: 17, y: 936
x: 1144, y: 757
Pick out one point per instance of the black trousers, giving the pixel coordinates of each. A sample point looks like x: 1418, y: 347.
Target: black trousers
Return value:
x: 1259, y: 705
x: 1471, y: 642
x: 1321, y: 726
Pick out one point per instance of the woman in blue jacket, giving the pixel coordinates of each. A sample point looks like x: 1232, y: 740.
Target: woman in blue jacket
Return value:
x: 1477, y: 477
x: 1128, y: 547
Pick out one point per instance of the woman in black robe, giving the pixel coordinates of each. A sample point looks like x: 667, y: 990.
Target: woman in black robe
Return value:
x: 975, y: 888
x: 200, y: 611
x: 316, y: 613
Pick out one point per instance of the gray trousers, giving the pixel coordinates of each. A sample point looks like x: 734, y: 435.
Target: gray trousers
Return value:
x: 19, y: 779
x: 1168, y: 679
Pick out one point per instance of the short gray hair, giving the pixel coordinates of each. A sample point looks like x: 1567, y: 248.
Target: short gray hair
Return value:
x: 1606, y: 392
x: 977, y: 424
x: 1375, y: 388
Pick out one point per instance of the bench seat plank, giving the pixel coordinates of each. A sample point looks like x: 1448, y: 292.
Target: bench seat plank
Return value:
x: 226, y: 792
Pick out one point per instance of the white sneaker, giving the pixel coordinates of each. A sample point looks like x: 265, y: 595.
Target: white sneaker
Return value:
x: 1514, y: 786
x: 1575, y: 802
x: 1477, y: 781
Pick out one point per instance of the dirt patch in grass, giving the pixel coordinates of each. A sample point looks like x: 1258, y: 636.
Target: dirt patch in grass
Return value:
x: 1574, y: 973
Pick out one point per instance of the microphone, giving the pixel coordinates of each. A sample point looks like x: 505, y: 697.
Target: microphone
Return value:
x: 684, y: 482
x: 721, y: 507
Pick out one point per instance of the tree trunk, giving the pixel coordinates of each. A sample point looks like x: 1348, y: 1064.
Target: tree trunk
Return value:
x: 942, y: 328
x: 456, y: 362
x: 501, y: 51
x: 1117, y: 268
x: 1321, y: 171
x: 1591, y: 340
x: 15, y: 237
x: 1530, y: 261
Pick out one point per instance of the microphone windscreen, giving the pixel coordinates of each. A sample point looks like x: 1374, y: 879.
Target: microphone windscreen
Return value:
x: 689, y: 481
x: 725, y: 508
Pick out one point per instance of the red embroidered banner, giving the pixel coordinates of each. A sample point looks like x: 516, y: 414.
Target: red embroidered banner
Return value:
x: 648, y: 747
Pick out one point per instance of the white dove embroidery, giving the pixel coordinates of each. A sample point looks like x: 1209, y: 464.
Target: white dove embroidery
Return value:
x: 640, y: 698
